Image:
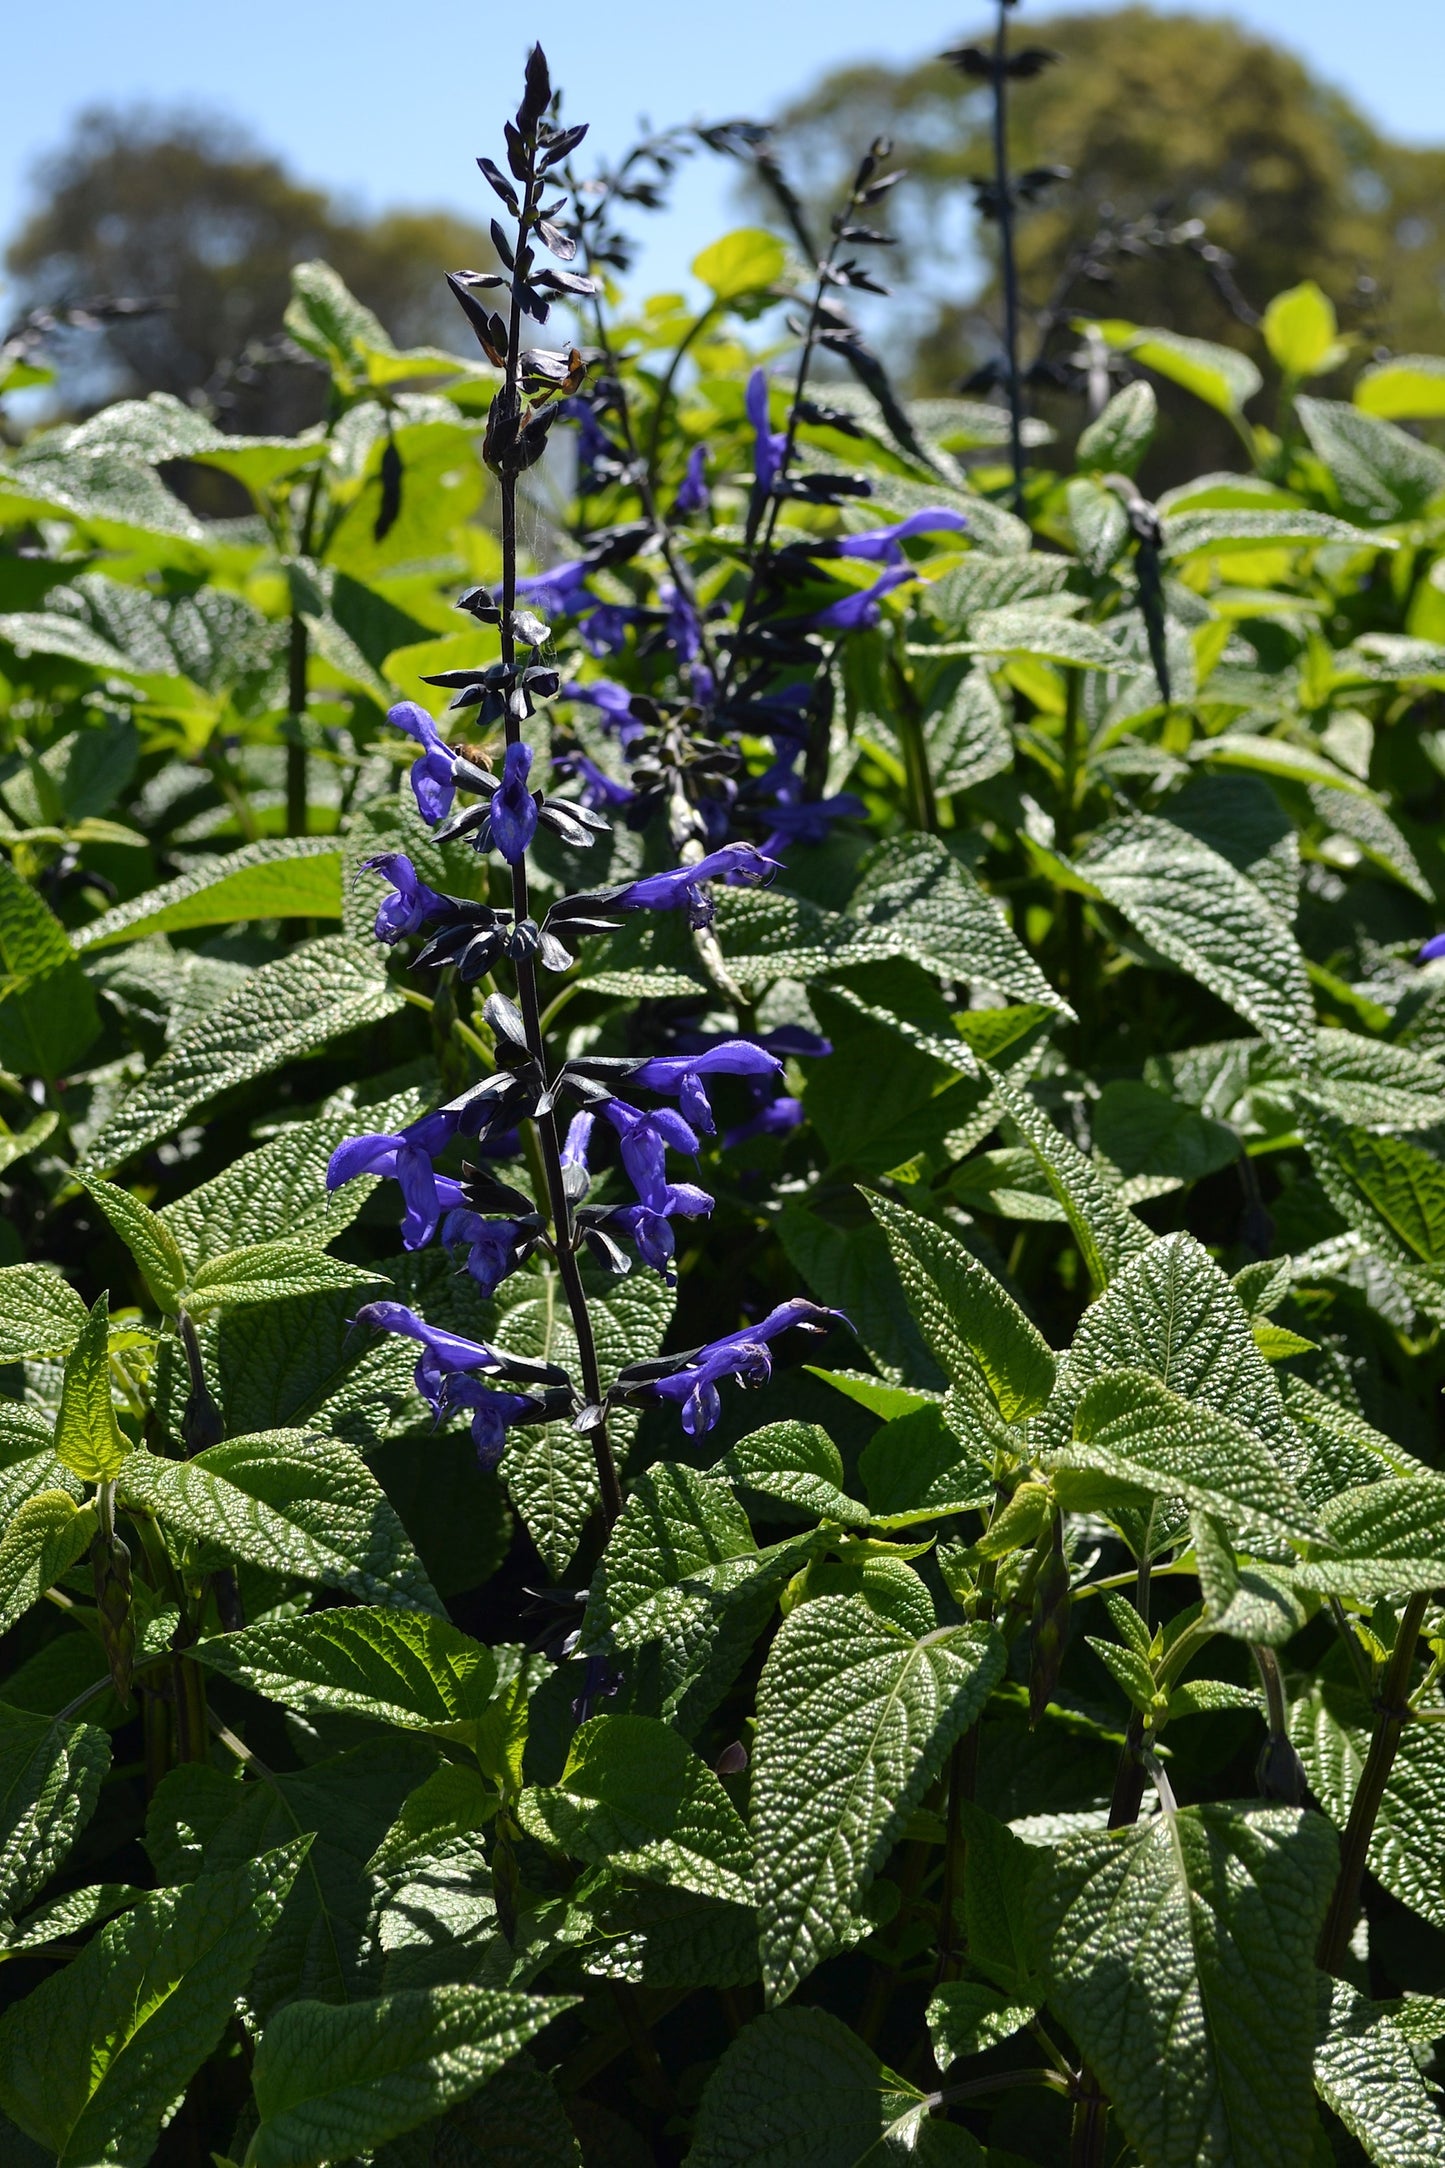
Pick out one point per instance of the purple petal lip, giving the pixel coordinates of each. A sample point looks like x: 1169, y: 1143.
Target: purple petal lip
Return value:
x: 1434, y: 947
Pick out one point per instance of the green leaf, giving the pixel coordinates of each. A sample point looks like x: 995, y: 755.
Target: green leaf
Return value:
x: 331, y: 2083
x: 48, y: 1016
x: 797, y: 1462
x: 293, y: 1502
x: 989, y: 1351
x: 404, y: 1668
x: 1179, y: 1955
x: 1143, y: 1131
x: 913, y: 891
x: 681, y: 1570
x: 66, y: 1917
x: 1331, y: 1728
x: 206, y: 1820
x: 50, y: 1778
x: 1409, y: 388
x: 854, y: 1722
x: 920, y: 1467
x: 149, y: 1240
x: 1247, y: 1602
x: 1130, y: 1428
x: 271, y: 1272
x: 94, y: 2059
x: 1022, y: 630
x: 46, y: 1537
x: 286, y: 1009
x: 998, y: 1872
x: 746, y: 261
x: 88, y: 1439
x: 1301, y: 331
x: 799, y: 2089
x: 1381, y: 1537
x: 635, y: 1797
x: 39, y: 1313
x: 325, y: 318
x: 965, y: 2018
x: 1365, y: 2073
x: 292, y: 877
x: 1107, y: 1233
x: 1204, y: 916
x: 1116, y: 440
x: 1292, y: 763
x: 1381, y: 472
x: 1221, y: 376
x: 1392, y: 1192
x: 966, y: 732
x: 516, y: 2121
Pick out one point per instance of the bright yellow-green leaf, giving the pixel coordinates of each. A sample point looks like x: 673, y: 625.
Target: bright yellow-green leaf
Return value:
x: 744, y: 262
x: 88, y: 1439
x: 1300, y: 331
x: 1411, y: 388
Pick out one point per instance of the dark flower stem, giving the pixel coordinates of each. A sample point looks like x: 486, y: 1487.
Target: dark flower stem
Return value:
x: 1008, y: 268
x: 297, y: 657
x: 564, y: 1239
x: 1393, y: 1715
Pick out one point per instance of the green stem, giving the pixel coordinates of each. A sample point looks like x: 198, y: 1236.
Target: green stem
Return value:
x: 1393, y: 1715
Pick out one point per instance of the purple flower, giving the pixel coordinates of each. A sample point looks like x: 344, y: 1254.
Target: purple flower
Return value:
x: 443, y: 1354
x: 742, y: 1355
x: 595, y: 449
x: 604, y: 627
x: 431, y: 776
x: 768, y: 444
x: 692, y: 494
x: 598, y: 787
x: 578, y: 1140
x: 882, y: 545
x: 855, y: 612
x: 492, y: 1414
x: 774, y: 1119
x: 1433, y: 948
x: 406, y: 1157
x: 513, y: 809
x: 645, y: 1141
x: 615, y: 702
x: 560, y: 592
x: 412, y: 905
x: 684, y: 1074
x: 681, y: 888
x: 651, y: 1230
x: 493, y: 1246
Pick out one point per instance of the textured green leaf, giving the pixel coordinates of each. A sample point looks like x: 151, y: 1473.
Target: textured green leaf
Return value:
x: 1365, y: 2072
x: 1381, y: 472
x: 50, y: 1779
x: 799, y: 2089
x: 148, y: 1239
x: 1391, y: 1191
x: 206, y: 1820
x: 913, y: 890
x: 292, y: 1501
x: 669, y: 1938
x: 1179, y: 1955
x: 1107, y: 1233
x: 1143, y: 1131
x: 330, y: 2083
x: 271, y: 1272
x: 746, y: 261
x: 1129, y: 1427
x: 1245, y: 1601
x: 989, y: 1351
x: 854, y: 1722
x: 94, y: 2059
x: 1051, y: 637
x: 87, y: 1436
x: 39, y: 1313
x: 1331, y: 1729
x: 286, y: 1009
x: 66, y: 1917
x: 681, y: 1571
x: 797, y: 1462
x: 1241, y: 529
x: 516, y: 2121
x: 47, y: 1012
x: 966, y: 733
x: 1197, y: 910
x: 27, y: 1460
x: 295, y: 877
x: 635, y: 1797
x: 1381, y: 1537
x: 47, y: 1535
x: 965, y: 2018
x: 402, y: 1668
x: 926, y: 1465
x: 1221, y: 376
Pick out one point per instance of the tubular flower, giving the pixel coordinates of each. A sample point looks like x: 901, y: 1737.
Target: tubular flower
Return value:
x: 883, y: 545
x: 692, y: 491
x: 615, y: 703
x: 682, y: 887
x: 856, y: 612
x: 413, y: 904
x: 743, y: 1355
x: 1434, y: 947
x: 684, y: 1075
x: 431, y: 777
x: 768, y: 444
x: 513, y: 808
x: 405, y: 1157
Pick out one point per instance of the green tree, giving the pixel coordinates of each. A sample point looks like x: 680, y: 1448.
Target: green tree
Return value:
x: 1174, y: 117
x: 196, y: 215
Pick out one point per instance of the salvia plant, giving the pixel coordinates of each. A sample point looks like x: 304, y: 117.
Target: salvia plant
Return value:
x: 866, y: 905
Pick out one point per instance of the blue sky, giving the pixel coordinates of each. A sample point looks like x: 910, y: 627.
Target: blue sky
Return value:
x: 387, y: 105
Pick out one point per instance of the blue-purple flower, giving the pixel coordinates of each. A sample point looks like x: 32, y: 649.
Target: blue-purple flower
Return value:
x: 883, y: 545
x: 692, y: 491
x: 743, y: 1355
x: 405, y: 1157
x: 493, y: 1414
x: 412, y: 905
x: 681, y: 888
x: 598, y: 787
x: 856, y: 612
x: 1434, y: 947
x: 561, y: 591
x: 495, y: 1247
x: 685, y: 1074
x: 431, y: 776
x: 447, y: 1376
x: 645, y: 1141
x: 615, y: 702
x: 513, y: 808
x: 768, y: 444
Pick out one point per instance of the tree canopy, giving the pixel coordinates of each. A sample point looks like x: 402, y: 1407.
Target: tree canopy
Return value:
x: 187, y: 211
